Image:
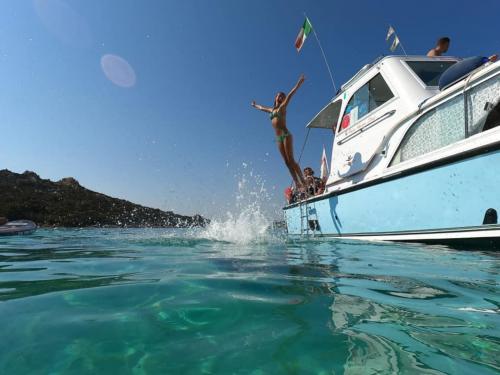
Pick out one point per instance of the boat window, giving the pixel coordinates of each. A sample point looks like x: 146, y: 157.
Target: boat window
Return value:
x: 437, y: 128
x: 370, y: 96
x: 429, y: 71
x: 328, y: 117
x: 483, y: 106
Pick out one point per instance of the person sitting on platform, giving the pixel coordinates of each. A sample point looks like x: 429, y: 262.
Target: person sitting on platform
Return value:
x: 314, y: 185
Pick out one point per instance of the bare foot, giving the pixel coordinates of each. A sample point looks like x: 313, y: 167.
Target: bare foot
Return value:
x: 493, y: 58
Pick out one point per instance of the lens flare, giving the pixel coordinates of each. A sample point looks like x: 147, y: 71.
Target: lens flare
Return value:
x: 118, y: 70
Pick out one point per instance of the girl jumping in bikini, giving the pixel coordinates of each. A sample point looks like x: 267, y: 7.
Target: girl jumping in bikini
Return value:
x: 277, y: 114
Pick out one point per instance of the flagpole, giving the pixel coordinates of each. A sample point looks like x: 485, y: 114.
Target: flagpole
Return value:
x: 324, y: 57
x: 401, y: 44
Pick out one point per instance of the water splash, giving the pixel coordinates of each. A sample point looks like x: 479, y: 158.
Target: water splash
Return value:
x: 248, y: 226
x: 248, y: 223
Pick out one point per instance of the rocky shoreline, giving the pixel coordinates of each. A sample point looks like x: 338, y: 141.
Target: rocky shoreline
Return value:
x: 66, y: 203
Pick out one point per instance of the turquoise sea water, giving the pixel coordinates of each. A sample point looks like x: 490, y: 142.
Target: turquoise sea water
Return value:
x: 132, y: 301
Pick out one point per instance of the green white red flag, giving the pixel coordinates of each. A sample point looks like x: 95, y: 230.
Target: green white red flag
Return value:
x: 303, y: 33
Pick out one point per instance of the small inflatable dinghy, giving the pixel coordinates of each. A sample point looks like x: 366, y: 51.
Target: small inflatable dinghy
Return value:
x: 460, y: 70
x: 17, y: 227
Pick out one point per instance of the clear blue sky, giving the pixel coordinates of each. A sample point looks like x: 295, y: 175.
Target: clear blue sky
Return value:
x: 180, y: 137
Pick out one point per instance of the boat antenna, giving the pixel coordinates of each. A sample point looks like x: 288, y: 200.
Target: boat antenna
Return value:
x: 323, y: 53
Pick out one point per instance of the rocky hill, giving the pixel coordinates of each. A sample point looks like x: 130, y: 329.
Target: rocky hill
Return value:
x: 68, y: 204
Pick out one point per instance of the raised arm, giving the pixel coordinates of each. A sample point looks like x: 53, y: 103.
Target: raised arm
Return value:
x: 261, y: 107
x: 293, y: 90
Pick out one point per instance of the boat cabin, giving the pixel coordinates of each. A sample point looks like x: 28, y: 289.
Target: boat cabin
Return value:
x: 393, y: 114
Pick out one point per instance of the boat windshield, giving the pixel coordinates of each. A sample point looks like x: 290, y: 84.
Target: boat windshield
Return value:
x: 328, y: 117
x: 429, y: 71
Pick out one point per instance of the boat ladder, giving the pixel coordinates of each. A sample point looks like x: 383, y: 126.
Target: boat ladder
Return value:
x: 308, y: 219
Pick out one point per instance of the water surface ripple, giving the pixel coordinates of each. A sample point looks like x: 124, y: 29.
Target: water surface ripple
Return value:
x: 131, y: 301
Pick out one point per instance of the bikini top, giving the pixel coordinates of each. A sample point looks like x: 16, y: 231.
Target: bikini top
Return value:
x: 274, y: 114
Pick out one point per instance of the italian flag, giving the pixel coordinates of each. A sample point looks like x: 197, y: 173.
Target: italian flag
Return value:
x: 303, y: 33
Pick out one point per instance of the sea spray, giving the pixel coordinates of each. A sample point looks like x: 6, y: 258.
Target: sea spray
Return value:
x: 247, y: 223
x: 247, y: 226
